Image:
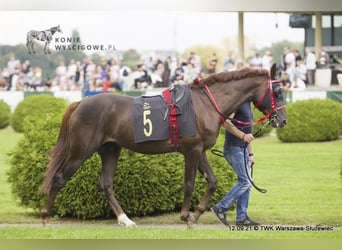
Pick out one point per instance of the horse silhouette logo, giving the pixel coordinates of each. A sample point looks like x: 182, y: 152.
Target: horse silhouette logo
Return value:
x: 44, y: 36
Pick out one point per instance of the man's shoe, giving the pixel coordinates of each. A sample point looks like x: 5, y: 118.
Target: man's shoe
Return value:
x: 221, y: 215
x: 247, y: 222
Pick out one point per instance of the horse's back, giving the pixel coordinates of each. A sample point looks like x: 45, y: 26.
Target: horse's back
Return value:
x: 105, y: 104
x: 104, y: 116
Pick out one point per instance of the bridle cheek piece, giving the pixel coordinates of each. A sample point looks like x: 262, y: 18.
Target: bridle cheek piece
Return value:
x: 269, y: 91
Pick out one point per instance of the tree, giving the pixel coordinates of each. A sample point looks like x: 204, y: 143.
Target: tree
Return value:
x: 277, y: 49
x: 205, y: 52
x: 131, y: 58
x: 230, y: 44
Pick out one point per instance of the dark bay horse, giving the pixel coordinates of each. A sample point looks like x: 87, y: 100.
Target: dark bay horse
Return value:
x: 104, y: 124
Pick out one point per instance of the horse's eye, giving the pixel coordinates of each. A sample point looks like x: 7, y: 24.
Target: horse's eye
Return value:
x: 277, y: 91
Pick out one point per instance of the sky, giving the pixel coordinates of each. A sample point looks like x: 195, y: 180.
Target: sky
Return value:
x: 149, y: 30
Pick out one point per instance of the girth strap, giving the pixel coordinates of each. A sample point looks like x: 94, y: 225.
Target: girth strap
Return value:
x: 172, y: 112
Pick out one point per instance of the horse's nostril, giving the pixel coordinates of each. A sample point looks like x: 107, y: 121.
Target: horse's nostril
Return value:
x: 284, y: 122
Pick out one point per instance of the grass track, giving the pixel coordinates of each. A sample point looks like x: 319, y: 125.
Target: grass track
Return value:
x: 304, y: 188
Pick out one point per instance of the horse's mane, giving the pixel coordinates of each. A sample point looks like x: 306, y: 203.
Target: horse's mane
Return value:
x: 232, y: 75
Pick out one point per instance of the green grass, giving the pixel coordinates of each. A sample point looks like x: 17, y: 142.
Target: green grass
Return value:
x: 107, y: 232
x: 304, y: 188
x: 9, y: 211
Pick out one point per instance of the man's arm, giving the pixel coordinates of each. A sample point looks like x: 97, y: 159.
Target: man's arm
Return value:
x: 235, y: 131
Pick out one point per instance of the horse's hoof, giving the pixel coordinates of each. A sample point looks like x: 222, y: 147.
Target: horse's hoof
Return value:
x: 190, y: 221
x: 125, y: 221
x: 191, y: 225
x: 45, y: 221
x: 45, y: 216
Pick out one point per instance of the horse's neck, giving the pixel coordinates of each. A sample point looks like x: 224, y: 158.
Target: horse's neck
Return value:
x: 233, y: 94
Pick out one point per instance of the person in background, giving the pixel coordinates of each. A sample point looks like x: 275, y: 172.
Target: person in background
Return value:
x: 144, y: 77
x: 229, y: 62
x: 212, y: 64
x: 290, y: 62
x: 256, y: 61
x: 267, y: 60
x: 195, y: 60
x: 301, y: 70
x: 323, y: 59
x: 310, y: 62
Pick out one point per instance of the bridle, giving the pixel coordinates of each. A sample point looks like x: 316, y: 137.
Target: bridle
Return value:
x: 270, y: 115
x: 269, y: 91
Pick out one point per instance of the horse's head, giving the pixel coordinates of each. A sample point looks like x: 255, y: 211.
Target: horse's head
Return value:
x: 271, y: 102
x: 56, y: 29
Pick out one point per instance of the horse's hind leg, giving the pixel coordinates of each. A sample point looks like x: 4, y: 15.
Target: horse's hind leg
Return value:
x: 109, y: 154
x: 58, y: 182
x: 191, y: 163
x: 207, y: 173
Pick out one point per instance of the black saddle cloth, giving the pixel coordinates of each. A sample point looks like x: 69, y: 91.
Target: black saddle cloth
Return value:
x: 151, y: 123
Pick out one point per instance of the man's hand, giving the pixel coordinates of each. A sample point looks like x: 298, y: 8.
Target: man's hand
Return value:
x: 252, y: 159
x: 248, y: 138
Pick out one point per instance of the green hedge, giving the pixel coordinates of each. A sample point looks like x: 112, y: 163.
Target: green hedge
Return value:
x: 312, y: 120
x: 5, y: 114
x: 144, y: 184
x: 40, y: 104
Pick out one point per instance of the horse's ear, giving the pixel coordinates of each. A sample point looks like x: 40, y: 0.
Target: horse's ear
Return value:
x: 273, y: 71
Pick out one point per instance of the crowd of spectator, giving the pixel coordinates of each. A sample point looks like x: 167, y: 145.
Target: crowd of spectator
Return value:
x: 114, y: 75
x: 19, y: 75
x: 84, y: 75
x: 109, y: 74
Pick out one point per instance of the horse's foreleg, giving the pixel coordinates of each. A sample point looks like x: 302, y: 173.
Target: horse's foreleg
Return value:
x: 191, y: 164
x: 206, y: 171
x: 109, y: 154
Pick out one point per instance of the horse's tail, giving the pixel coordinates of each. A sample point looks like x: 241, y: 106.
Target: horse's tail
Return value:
x: 60, y: 151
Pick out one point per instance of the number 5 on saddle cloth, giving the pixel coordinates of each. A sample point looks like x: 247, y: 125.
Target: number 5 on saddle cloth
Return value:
x: 170, y: 115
